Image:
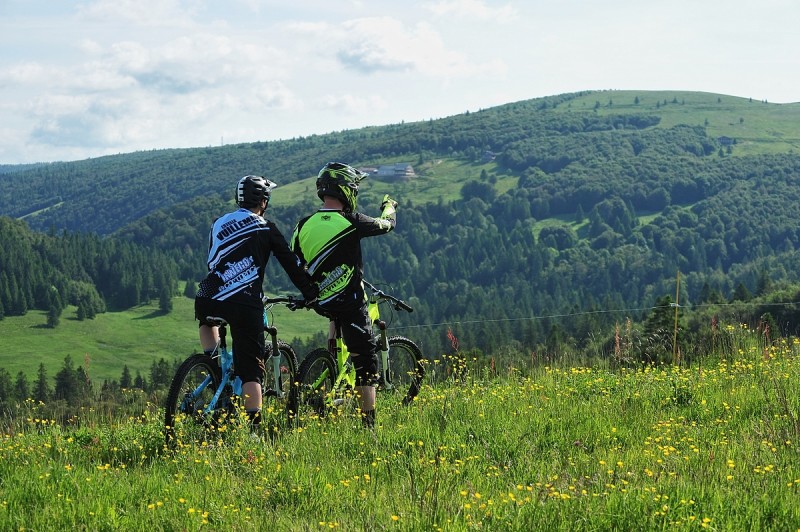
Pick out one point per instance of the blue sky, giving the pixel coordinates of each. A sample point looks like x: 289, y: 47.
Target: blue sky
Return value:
x: 97, y: 77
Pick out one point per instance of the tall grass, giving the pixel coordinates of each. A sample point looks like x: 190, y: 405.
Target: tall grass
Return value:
x: 551, y: 448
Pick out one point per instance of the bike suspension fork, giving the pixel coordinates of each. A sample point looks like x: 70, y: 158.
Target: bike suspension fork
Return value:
x: 383, y: 346
x: 276, y: 361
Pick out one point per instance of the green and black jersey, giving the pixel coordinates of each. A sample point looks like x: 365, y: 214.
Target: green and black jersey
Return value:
x: 328, y: 244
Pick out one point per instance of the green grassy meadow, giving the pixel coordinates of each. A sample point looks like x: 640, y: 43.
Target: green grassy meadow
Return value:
x: 759, y: 127
x: 105, y: 344
x: 712, y: 446
x: 442, y: 178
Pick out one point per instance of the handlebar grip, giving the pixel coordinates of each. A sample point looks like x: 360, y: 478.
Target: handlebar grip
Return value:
x: 404, y: 306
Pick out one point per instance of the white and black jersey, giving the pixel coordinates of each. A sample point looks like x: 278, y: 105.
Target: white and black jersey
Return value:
x: 240, y: 245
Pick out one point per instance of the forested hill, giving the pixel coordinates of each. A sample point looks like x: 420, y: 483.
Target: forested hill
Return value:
x: 588, y: 201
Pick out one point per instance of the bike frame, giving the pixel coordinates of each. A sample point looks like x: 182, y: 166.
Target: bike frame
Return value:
x: 225, y: 358
x: 346, y: 371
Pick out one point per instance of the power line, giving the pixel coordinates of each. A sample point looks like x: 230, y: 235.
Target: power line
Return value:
x: 587, y: 313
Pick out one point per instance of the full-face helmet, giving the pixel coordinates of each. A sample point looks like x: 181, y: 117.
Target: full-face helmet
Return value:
x: 341, y: 182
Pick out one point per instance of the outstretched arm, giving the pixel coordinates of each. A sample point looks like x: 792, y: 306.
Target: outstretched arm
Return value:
x: 368, y: 226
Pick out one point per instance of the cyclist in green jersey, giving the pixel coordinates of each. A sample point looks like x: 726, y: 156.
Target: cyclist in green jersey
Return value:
x: 328, y: 244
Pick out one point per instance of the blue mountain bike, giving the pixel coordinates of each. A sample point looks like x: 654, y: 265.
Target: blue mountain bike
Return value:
x: 204, y: 391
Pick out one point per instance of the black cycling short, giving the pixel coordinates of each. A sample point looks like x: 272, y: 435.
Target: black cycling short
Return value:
x: 357, y: 334
x: 246, y: 326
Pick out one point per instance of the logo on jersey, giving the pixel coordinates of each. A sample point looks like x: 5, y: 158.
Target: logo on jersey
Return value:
x: 335, y: 281
x: 237, y: 271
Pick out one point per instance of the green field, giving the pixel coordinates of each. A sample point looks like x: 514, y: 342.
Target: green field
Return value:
x: 134, y: 337
x: 711, y: 446
x: 440, y: 179
x: 758, y: 127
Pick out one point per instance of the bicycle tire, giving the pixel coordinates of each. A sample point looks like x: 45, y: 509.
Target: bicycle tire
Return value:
x: 179, y: 409
x: 406, y: 367
x: 288, y: 382
x: 316, y: 377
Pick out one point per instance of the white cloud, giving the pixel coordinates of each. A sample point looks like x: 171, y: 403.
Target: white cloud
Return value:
x: 108, y: 76
x: 385, y: 44
x: 145, y: 13
x: 474, y: 9
x: 353, y: 104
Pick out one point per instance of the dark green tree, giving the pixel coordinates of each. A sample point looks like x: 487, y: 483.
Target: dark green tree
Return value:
x: 6, y: 387
x: 764, y: 283
x: 741, y: 293
x: 55, y: 307
x: 710, y: 296
x: 125, y: 380
x: 41, y: 388
x: 66, y: 387
x: 190, y: 290
x: 140, y: 382
x: 22, y: 389
x: 160, y: 374
x: 84, y: 384
x: 659, y: 330
x: 165, y: 303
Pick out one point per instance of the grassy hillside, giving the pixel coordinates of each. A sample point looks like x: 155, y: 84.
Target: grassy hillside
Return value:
x: 438, y: 179
x: 657, y: 191
x: 759, y: 127
x: 61, y: 194
x: 135, y: 337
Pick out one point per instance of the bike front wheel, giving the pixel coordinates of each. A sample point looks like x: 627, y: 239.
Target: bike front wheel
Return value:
x: 317, y: 380
x: 280, y: 387
x: 190, y: 393
x: 406, y: 369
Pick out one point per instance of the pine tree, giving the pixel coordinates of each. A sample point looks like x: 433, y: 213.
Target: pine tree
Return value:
x: 741, y: 293
x: 125, y: 380
x: 67, y: 383
x: 139, y: 381
x: 85, y: 388
x: 22, y: 389
x: 579, y: 215
x: 6, y: 386
x: 764, y: 284
x: 190, y: 290
x: 165, y: 300
x: 41, y: 389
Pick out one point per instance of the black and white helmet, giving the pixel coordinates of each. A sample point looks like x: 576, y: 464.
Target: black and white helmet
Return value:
x: 252, y: 189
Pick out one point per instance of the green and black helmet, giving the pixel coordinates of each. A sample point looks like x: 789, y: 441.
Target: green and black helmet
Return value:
x: 251, y: 189
x: 341, y: 182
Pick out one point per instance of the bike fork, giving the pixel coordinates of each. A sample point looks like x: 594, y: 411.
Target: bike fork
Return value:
x: 383, y: 345
x: 276, y: 363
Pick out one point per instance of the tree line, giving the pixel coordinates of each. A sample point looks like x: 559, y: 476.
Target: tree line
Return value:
x: 50, y: 271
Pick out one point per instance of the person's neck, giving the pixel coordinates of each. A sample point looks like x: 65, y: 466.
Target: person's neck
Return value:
x: 332, y: 204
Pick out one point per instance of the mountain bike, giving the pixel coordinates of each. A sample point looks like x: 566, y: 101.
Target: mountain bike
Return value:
x: 327, y: 376
x: 204, y: 390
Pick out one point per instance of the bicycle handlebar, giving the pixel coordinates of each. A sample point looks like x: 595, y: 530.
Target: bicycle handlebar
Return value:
x: 398, y: 303
x: 292, y: 303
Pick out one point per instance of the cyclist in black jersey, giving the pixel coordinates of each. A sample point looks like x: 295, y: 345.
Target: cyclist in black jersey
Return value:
x: 328, y: 244
x: 240, y: 245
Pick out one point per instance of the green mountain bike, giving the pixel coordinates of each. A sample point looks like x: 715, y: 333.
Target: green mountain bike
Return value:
x: 327, y: 376
x: 203, y: 391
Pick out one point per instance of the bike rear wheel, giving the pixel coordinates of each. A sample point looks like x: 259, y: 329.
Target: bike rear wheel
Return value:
x: 406, y: 369
x: 190, y: 392
x: 280, y: 398
x: 317, y: 378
